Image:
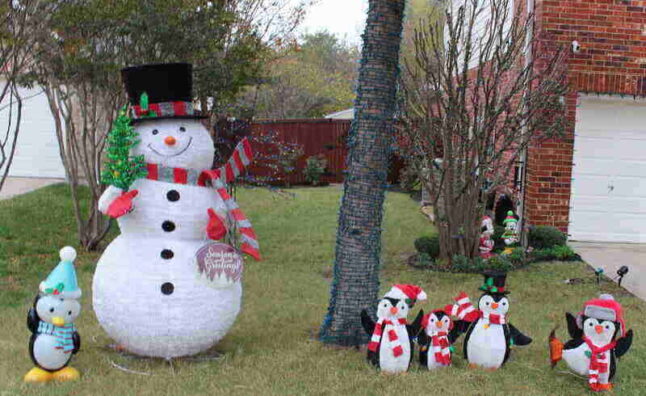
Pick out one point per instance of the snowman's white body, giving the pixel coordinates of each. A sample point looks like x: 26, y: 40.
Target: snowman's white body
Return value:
x: 129, y: 300
x: 388, y: 362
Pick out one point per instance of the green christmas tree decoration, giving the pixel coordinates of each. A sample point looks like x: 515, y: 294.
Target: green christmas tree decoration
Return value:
x: 122, y: 169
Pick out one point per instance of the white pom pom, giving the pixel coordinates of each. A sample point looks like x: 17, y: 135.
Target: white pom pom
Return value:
x: 606, y: 297
x: 67, y: 253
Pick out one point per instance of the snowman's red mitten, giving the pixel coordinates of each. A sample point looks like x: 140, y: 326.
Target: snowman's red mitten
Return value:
x: 215, y: 229
x: 122, y: 204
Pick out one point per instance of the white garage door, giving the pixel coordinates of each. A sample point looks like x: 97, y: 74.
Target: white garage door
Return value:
x: 608, y: 198
x: 37, y: 149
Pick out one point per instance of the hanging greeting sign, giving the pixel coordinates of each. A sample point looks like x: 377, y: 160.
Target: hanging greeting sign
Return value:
x: 219, y: 264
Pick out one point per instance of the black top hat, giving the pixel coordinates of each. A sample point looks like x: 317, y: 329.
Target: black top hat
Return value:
x: 160, y: 91
x: 494, y: 282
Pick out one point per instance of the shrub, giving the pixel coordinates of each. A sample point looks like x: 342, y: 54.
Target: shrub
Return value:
x: 545, y: 237
x: 424, y: 260
x: 428, y: 245
x: 314, y: 168
x: 562, y: 253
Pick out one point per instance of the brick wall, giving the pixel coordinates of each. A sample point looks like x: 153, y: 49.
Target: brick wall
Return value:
x: 612, y: 60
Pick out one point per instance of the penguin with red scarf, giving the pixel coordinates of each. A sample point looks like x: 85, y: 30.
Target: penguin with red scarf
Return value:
x: 436, y: 339
x: 599, y: 338
x: 391, y: 344
x: 489, y: 335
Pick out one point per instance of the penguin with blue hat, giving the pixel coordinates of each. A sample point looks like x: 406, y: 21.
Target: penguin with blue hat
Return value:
x: 54, y: 337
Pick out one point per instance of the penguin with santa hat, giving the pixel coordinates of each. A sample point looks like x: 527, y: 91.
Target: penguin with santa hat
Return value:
x: 391, y: 343
x: 599, y: 338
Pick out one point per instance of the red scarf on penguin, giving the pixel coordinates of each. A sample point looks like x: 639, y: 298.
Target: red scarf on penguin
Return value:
x: 409, y: 293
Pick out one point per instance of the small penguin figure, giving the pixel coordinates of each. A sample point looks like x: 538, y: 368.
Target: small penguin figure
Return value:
x: 54, y: 337
x: 391, y: 344
x: 435, y: 340
x: 489, y: 336
x: 599, y: 338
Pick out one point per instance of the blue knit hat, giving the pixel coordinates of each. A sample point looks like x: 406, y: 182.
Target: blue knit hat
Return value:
x: 62, y: 280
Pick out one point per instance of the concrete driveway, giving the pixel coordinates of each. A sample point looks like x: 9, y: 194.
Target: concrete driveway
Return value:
x: 611, y: 256
x: 19, y: 185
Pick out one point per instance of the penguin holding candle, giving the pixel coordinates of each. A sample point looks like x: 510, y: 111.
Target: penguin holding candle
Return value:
x: 391, y: 344
x: 54, y: 337
x: 489, y: 335
x: 599, y: 339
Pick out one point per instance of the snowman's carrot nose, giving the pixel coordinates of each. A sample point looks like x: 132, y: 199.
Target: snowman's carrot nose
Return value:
x: 170, y: 141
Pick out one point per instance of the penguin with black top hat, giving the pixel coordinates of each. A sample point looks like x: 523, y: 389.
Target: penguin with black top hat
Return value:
x: 489, y: 335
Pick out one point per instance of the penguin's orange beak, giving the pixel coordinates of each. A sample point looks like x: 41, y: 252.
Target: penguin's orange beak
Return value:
x: 393, y: 310
x: 58, y: 321
x: 598, y: 329
x: 170, y: 141
x: 438, y: 324
x: 494, y: 305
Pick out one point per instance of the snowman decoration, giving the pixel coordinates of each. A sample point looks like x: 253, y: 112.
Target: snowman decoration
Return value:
x: 486, y: 243
x: 510, y: 236
x: 163, y: 287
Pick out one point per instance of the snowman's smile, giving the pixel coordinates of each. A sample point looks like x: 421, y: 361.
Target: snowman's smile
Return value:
x: 190, y: 140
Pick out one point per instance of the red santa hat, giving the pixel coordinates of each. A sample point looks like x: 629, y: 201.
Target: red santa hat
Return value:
x: 603, y: 308
x: 407, y: 292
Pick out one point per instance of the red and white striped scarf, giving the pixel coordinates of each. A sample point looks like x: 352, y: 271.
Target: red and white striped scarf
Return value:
x: 441, y: 348
x: 218, y: 179
x: 599, y: 360
x: 464, y: 310
x: 395, y: 342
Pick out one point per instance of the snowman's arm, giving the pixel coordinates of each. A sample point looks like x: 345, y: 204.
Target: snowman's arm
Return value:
x: 416, y: 326
x: 519, y: 338
x: 623, y: 344
x: 32, y: 320
x: 109, y: 195
x: 76, y: 339
x: 367, y: 322
x: 572, y: 327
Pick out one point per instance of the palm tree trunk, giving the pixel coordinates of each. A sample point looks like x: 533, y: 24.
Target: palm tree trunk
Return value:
x: 358, y: 247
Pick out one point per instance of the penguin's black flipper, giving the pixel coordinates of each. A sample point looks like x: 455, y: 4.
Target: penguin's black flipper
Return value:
x: 76, y: 339
x: 623, y: 344
x: 460, y: 326
x: 454, y: 334
x: 416, y: 326
x: 32, y: 320
x: 367, y: 322
x: 519, y: 338
x: 572, y: 326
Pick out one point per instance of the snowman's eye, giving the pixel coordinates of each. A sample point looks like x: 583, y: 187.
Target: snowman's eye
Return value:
x: 69, y: 313
x: 182, y: 129
x: 51, y: 309
x: 155, y: 131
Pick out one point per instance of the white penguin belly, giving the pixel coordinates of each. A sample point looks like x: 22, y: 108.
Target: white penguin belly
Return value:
x: 46, y: 354
x: 388, y: 362
x: 577, y: 360
x: 159, y: 307
x: 487, y: 345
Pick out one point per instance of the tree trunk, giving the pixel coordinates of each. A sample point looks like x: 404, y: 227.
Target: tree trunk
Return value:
x: 358, y: 248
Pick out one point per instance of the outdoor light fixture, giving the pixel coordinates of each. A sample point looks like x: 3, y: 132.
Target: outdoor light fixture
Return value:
x: 622, y: 271
x: 598, y: 272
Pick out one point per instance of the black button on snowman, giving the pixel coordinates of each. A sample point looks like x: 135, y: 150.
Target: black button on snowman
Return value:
x: 163, y: 288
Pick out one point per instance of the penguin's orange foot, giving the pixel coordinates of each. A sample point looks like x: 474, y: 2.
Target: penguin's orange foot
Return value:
x: 556, y: 349
x: 67, y: 374
x: 38, y: 376
x: 473, y: 366
x: 597, y: 387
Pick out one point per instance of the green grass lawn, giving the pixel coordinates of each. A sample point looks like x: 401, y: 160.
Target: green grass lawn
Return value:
x: 271, y: 349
